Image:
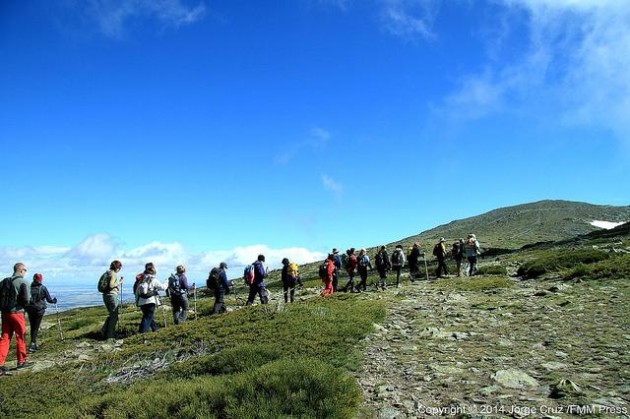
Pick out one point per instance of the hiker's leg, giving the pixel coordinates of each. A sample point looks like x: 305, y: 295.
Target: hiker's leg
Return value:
x: 111, y: 303
x: 19, y: 327
x: 146, y: 323
x: 175, y: 309
x: 285, y: 289
x: 183, y: 315
x: 252, y: 294
x: 5, y: 340
x: 292, y: 288
x: 264, y: 296
x: 35, y: 319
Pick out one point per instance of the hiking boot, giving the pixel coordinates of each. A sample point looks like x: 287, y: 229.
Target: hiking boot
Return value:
x: 24, y: 364
x: 32, y: 348
x: 4, y: 371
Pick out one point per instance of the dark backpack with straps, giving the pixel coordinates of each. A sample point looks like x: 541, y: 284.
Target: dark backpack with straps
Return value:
x: 174, y: 287
x: 8, y: 295
x: 213, y: 279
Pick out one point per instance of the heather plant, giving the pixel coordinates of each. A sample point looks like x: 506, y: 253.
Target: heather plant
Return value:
x: 559, y: 259
x: 259, y: 361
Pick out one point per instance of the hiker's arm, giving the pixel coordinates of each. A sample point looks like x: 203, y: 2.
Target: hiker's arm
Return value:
x: 24, y: 295
x: 48, y: 297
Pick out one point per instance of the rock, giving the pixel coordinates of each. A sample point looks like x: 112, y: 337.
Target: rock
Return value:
x: 513, y: 378
x: 552, y: 366
x: 389, y: 413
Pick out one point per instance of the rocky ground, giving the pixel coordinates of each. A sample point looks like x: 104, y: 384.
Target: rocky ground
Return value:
x: 543, y: 349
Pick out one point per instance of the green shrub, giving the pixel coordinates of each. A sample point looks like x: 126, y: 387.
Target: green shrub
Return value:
x: 492, y: 270
x: 615, y: 267
x: 305, y: 388
x: 554, y: 261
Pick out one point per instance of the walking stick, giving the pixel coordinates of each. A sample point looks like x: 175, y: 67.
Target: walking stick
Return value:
x: 195, y: 299
x: 120, y: 307
x: 59, y: 322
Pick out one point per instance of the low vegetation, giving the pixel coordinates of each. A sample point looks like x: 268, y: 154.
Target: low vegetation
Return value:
x: 557, y: 260
x: 275, y: 361
x: 436, y: 342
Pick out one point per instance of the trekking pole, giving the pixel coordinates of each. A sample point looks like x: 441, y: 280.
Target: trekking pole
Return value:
x: 120, y: 306
x: 59, y: 322
x: 195, y: 299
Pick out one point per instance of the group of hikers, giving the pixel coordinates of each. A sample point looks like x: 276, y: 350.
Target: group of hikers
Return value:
x: 16, y: 297
x: 350, y: 262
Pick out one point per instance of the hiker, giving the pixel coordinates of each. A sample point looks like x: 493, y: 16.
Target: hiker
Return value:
x: 398, y: 262
x: 328, y: 274
x: 13, y: 301
x: 337, y: 263
x: 472, y: 250
x: 289, y: 276
x: 110, y: 298
x: 218, y: 282
x: 383, y: 265
x: 457, y: 252
x: 363, y: 263
x: 413, y: 259
x: 147, y: 298
x: 178, y: 292
x: 439, y: 251
x: 351, y: 266
x: 258, y: 285
x: 36, y: 308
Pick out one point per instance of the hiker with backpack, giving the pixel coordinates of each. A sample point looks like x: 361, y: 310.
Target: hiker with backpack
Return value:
x: 414, y: 260
x: 36, y: 308
x: 439, y: 251
x: 178, y: 293
x: 398, y: 262
x: 109, y: 286
x: 351, y: 266
x: 257, y: 284
x: 147, y: 298
x: 14, y: 297
x: 383, y: 265
x: 326, y: 273
x: 457, y: 252
x: 363, y: 263
x: 472, y: 251
x: 290, y: 276
x: 220, y: 286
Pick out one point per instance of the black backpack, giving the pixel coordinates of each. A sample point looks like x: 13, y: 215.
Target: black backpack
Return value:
x: 381, y: 259
x: 213, y: 279
x: 397, y: 258
x: 8, y: 295
x: 323, y: 270
x: 457, y: 250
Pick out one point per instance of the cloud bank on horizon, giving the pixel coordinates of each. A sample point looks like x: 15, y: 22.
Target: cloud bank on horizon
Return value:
x: 85, y: 261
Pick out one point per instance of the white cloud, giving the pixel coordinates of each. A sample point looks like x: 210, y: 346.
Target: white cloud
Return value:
x: 332, y: 185
x: 114, y: 16
x: 409, y: 19
x: 317, y: 139
x: 88, y: 259
x: 577, y: 62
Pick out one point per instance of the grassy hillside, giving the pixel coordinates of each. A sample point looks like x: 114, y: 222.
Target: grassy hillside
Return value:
x: 513, y: 227
x: 554, y: 336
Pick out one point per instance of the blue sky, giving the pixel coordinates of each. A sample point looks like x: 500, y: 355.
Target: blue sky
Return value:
x: 179, y: 131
